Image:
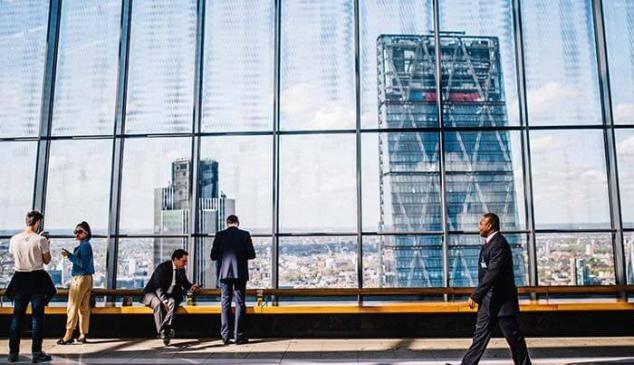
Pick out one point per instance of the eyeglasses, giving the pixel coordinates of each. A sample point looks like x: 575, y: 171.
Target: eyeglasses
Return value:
x: 78, y: 231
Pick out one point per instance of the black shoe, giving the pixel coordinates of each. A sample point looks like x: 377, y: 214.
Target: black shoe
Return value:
x: 13, y: 358
x: 226, y: 341
x: 62, y: 341
x: 242, y: 341
x: 41, y: 357
x: 165, y: 337
x: 82, y: 340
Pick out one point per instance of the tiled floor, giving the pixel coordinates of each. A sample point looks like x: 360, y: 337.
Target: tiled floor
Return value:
x: 586, y: 351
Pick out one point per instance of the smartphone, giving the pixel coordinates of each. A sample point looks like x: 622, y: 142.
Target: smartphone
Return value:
x: 44, y: 234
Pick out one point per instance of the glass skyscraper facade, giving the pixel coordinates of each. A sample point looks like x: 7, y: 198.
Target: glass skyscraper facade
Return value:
x: 353, y: 157
x: 479, y: 176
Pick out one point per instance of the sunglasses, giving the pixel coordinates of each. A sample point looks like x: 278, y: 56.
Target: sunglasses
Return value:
x: 78, y: 231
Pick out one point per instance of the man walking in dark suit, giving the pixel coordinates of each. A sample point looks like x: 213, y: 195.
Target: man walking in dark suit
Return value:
x: 164, y: 292
x: 496, y: 296
x: 232, y: 248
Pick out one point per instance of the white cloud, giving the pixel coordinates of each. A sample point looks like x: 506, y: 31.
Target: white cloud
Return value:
x: 626, y: 147
x: 542, y: 102
x: 542, y: 144
x: 624, y: 113
x: 307, y: 106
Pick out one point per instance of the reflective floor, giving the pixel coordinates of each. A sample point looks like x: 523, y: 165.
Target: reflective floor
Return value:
x: 586, y: 351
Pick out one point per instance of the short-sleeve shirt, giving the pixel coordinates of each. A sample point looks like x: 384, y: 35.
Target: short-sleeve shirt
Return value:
x: 27, y: 250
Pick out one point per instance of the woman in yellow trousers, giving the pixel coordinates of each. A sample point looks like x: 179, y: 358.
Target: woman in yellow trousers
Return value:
x: 80, y: 287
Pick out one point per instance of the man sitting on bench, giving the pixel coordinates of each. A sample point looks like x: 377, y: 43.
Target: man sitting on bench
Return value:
x: 164, y: 292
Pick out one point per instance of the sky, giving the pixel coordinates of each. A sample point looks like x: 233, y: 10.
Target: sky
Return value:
x: 317, y: 172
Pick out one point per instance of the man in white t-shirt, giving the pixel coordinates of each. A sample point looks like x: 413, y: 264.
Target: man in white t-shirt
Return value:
x: 29, y: 284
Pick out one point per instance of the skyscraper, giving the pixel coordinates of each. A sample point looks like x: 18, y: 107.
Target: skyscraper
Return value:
x: 172, y: 210
x: 479, y: 170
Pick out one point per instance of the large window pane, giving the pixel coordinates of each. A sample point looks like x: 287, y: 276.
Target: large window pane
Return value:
x: 60, y: 268
x: 155, y: 187
x: 135, y: 264
x: 161, y: 68
x: 484, y: 174
x: 479, y: 65
x: 619, y: 32
x: 23, y: 26
x: 318, y: 183
x: 78, y: 186
x: 86, y: 78
x: 401, y: 182
x: 260, y: 269
x: 318, y: 262
x: 575, y: 259
x: 317, y: 80
x: 397, y: 51
x: 569, y: 179
x: 238, y: 78
x: 235, y: 178
x: 402, y: 261
x: 561, y: 66
x: 464, y: 253
x: 16, y: 184
x: 625, y: 157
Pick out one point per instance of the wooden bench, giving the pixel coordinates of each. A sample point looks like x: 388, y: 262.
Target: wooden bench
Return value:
x: 612, y: 300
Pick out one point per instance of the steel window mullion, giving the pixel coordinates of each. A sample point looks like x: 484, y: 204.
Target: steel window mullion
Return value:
x: 276, y: 141
x: 46, y: 111
x: 525, y: 144
x: 609, y: 143
x: 196, y: 245
x: 117, y: 149
x: 441, y: 144
x: 357, y: 84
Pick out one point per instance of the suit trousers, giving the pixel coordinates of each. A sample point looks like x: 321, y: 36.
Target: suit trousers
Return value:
x: 232, y: 288
x: 78, y: 308
x: 509, y: 326
x: 163, y: 312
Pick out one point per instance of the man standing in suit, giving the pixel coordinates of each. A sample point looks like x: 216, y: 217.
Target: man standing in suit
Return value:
x: 164, y: 292
x: 496, y: 296
x: 232, y: 248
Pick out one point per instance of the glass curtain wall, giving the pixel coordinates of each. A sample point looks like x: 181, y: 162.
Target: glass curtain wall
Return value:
x: 164, y: 117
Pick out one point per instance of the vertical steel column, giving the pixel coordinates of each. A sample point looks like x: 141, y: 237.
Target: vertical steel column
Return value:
x: 441, y: 144
x: 276, y: 148
x: 525, y: 138
x: 46, y: 111
x: 357, y: 84
x: 610, y: 144
x: 195, y: 241
x: 117, y: 148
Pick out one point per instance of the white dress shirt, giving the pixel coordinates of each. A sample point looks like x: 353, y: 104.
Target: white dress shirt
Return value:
x: 171, y: 288
x: 490, y: 237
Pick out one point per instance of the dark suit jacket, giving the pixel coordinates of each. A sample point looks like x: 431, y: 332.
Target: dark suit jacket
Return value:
x: 496, y: 290
x: 162, y: 279
x: 232, y: 249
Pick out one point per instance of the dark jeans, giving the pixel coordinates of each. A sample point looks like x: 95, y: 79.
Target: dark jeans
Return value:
x: 229, y: 288
x: 20, y: 302
x: 511, y: 331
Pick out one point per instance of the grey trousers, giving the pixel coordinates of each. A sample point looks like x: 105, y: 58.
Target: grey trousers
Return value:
x: 163, y: 313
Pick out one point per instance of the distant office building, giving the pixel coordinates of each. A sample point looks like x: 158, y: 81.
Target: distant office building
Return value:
x: 172, y: 212
x: 479, y: 169
x: 581, y: 272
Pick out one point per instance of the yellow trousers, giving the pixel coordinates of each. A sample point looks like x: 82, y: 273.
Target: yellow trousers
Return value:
x: 78, y: 305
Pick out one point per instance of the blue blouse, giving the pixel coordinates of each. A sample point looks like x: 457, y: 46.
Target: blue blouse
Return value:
x: 82, y: 259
